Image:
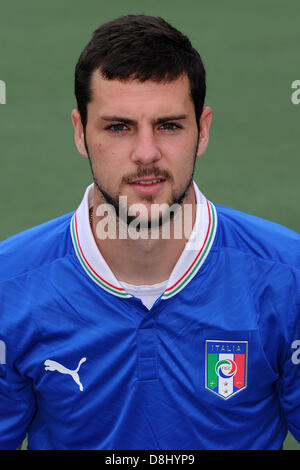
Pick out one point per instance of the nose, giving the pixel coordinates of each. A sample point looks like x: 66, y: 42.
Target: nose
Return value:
x: 146, y: 150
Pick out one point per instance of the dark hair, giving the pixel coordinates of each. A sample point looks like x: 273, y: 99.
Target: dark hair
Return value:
x: 139, y: 47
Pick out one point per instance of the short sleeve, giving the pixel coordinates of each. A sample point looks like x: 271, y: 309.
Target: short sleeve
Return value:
x: 17, y: 407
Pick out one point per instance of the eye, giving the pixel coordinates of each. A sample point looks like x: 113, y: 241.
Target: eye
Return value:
x: 117, y: 128
x: 170, y: 126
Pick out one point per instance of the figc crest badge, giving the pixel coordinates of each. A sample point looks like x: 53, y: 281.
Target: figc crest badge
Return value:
x: 226, y: 367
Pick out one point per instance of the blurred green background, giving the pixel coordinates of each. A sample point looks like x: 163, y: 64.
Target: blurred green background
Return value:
x: 251, y: 54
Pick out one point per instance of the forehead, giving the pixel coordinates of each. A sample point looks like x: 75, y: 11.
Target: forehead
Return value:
x: 135, y: 96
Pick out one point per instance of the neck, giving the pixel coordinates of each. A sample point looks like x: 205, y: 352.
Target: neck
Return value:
x: 146, y: 260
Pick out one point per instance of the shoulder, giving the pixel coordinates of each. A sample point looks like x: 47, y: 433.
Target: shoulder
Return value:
x: 29, y: 263
x: 35, y: 247
x: 258, y: 237
x: 262, y: 258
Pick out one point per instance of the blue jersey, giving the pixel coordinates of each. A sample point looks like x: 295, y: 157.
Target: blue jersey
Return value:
x: 213, y: 364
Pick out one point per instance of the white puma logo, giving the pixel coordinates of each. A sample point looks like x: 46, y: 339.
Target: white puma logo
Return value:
x: 53, y: 365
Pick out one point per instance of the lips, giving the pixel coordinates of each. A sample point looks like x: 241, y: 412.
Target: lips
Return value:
x: 147, y: 186
x: 148, y: 181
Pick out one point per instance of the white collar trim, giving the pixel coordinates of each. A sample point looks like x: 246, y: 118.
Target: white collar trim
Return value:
x: 188, y: 264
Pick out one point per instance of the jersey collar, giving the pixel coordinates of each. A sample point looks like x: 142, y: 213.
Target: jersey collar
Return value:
x: 187, y: 266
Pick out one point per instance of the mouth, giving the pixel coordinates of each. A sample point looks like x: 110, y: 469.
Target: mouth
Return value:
x: 149, y: 185
x: 148, y: 181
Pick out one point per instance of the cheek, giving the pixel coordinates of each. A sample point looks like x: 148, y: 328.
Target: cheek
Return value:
x: 184, y: 162
x: 106, y: 151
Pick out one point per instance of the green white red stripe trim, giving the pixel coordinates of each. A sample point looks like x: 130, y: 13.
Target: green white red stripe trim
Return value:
x: 119, y: 291
x: 200, y: 257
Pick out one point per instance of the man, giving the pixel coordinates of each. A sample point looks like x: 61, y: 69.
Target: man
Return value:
x: 120, y: 337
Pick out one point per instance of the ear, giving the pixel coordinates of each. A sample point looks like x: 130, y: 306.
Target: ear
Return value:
x: 78, y: 132
x: 204, y: 124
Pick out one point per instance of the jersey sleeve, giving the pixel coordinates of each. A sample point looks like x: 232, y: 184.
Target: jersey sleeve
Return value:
x: 276, y: 288
x: 17, y: 406
x: 290, y: 379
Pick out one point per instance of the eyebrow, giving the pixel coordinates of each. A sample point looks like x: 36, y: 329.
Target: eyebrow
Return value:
x: 134, y: 123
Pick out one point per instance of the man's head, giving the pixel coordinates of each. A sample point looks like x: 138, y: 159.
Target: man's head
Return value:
x: 140, y: 90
